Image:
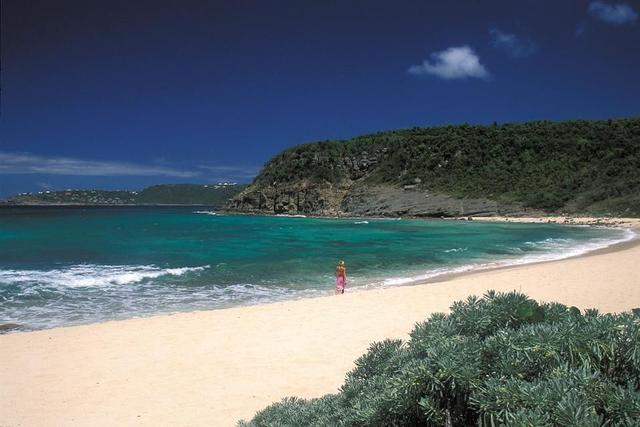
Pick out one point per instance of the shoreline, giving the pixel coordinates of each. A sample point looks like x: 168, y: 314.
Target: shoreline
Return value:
x: 632, y: 225
x: 631, y: 242
x: 604, y: 221
x: 610, y: 249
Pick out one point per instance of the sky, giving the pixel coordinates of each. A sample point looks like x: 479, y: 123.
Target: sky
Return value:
x: 124, y: 94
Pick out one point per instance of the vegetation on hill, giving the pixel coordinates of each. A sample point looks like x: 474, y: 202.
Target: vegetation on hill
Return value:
x: 572, y: 166
x: 216, y: 195
x: 502, y: 359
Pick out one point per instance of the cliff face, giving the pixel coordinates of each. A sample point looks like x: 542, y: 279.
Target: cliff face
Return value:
x: 384, y: 200
x: 296, y: 198
x: 269, y: 194
x: 353, y: 194
x: 360, y: 199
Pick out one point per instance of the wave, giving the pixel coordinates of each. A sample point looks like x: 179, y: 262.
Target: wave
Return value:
x: 455, y: 250
x: 555, y: 249
x: 395, y: 281
x: 248, y: 293
x: 361, y: 222
x: 90, y: 275
x: 205, y: 212
x: 82, y: 293
x: 550, y: 249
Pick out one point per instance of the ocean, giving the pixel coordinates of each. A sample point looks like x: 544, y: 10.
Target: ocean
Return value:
x: 63, y: 266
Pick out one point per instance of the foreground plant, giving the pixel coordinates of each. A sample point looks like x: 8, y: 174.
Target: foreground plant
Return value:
x: 502, y: 359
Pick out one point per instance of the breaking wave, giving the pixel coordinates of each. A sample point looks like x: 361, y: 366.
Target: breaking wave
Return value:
x: 89, y: 275
x: 550, y: 249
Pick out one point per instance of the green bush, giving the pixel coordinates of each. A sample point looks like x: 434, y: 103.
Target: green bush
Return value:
x: 503, y: 359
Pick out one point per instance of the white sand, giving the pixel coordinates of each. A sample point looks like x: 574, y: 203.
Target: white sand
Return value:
x: 580, y: 220
x: 213, y: 368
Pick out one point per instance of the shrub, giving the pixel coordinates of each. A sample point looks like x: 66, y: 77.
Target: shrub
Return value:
x: 503, y: 359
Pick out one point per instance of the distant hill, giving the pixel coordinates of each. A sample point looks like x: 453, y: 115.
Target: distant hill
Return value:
x: 590, y: 167
x: 215, y: 195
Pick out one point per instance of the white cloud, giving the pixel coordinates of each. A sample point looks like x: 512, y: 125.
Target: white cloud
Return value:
x: 616, y: 14
x: 26, y: 163
x: 513, y: 45
x: 452, y: 63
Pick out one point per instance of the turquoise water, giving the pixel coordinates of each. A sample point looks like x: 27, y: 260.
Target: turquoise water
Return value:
x: 62, y: 266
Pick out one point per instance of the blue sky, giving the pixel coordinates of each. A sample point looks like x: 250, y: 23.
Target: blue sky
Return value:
x: 124, y: 94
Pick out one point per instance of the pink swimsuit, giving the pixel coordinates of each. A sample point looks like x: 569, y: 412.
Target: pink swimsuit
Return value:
x: 340, y: 283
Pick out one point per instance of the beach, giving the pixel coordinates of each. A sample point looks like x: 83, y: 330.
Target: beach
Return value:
x: 633, y: 223
x: 216, y: 367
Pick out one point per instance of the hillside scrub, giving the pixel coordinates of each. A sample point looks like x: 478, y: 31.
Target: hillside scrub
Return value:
x: 503, y: 359
x: 572, y: 166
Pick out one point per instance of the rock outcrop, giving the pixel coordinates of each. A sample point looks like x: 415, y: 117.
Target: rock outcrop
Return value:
x: 359, y: 199
x: 300, y: 198
x: 415, y: 201
x: 354, y: 195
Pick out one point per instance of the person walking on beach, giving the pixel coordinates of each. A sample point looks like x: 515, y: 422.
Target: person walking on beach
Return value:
x: 341, y: 278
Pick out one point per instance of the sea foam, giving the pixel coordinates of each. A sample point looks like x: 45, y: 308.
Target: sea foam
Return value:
x: 90, y: 275
x: 549, y: 249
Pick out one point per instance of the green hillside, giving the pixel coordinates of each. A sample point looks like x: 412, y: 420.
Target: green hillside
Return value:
x: 572, y: 166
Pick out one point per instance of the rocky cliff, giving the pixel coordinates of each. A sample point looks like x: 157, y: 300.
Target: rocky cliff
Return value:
x: 364, y: 200
x: 293, y: 198
x: 355, y: 195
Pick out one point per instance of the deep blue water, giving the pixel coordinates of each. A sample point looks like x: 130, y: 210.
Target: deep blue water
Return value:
x: 62, y: 266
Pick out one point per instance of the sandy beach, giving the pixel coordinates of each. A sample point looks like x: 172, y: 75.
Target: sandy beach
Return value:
x: 216, y: 367
x: 567, y: 220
